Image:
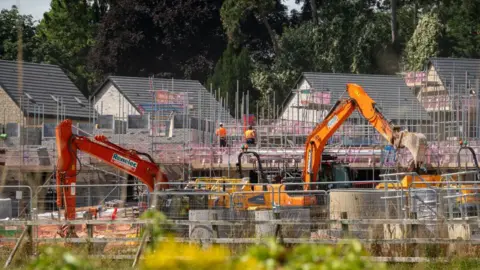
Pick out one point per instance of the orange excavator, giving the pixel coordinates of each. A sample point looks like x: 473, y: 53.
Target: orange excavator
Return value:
x: 316, y: 141
x: 127, y: 160
x: 366, y: 106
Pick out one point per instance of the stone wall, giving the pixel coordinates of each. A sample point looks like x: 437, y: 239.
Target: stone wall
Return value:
x: 10, y: 112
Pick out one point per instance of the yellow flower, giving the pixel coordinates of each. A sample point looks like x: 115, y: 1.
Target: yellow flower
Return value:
x: 172, y: 255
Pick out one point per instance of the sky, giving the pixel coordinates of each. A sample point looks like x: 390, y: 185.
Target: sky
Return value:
x: 37, y: 7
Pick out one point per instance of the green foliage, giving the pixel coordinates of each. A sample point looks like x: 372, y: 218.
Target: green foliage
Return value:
x: 67, y: 35
x: 234, y: 11
x: 10, y: 21
x: 231, y: 67
x: 58, y: 258
x: 268, y: 81
x: 177, y: 38
x: 327, y: 47
x: 298, y: 42
x: 267, y: 53
x: 157, y: 228
x: 463, y: 28
x: 271, y: 255
x: 424, y: 42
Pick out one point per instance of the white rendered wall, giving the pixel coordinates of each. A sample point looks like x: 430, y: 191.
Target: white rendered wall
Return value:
x: 109, y: 101
x: 293, y: 113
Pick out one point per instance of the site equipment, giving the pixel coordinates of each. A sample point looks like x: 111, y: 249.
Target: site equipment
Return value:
x: 268, y: 194
x: 129, y: 161
x: 469, y: 198
x: 359, y: 100
x: 315, y: 146
x: 254, y: 191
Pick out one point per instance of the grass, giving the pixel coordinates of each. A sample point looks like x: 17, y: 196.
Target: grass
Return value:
x: 457, y: 264
x: 106, y: 264
x: 464, y: 256
x: 22, y: 260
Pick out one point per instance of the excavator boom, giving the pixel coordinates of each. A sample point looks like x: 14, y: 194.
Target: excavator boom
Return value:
x: 128, y: 161
x: 416, y: 143
x: 317, y: 140
x: 366, y: 107
x: 340, y: 112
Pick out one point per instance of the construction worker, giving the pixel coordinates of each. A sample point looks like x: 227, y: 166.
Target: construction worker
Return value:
x: 222, y: 135
x: 250, y: 136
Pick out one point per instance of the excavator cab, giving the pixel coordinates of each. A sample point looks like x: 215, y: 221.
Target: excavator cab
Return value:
x: 275, y: 187
x: 336, y: 172
x: 333, y: 171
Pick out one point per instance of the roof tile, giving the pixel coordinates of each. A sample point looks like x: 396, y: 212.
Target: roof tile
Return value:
x: 455, y: 71
x: 40, y: 81
x: 395, y: 99
x: 137, y: 90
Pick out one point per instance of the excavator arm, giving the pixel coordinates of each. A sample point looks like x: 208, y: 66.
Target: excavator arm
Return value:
x: 366, y: 107
x: 416, y: 143
x: 317, y: 140
x: 126, y: 160
x: 340, y: 112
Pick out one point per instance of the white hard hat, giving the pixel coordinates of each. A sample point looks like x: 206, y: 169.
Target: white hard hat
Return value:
x: 221, y: 124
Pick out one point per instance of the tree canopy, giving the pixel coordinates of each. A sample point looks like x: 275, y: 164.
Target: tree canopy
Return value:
x: 14, y: 26
x: 257, y: 43
x: 66, y: 36
x: 177, y: 38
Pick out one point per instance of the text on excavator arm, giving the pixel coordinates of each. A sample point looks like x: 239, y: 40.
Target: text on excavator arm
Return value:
x: 126, y: 160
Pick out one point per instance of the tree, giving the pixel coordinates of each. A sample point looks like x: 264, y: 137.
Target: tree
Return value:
x: 352, y: 42
x: 306, y: 13
x: 313, y: 5
x: 233, y: 66
x: 233, y: 11
x: 462, y: 28
x: 181, y: 38
x: 67, y: 33
x: 394, y: 26
x: 11, y: 24
x: 351, y: 38
x: 424, y: 42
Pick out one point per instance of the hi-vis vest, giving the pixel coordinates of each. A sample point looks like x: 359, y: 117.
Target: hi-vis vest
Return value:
x: 249, y: 134
x: 221, y: 132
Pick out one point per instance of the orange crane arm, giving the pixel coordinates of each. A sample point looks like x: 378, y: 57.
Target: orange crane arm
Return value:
x: 366, y: 107
x: 317, y: 140
x: 126, y: 160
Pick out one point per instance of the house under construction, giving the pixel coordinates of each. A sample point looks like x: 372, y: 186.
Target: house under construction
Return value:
x: 175, y: 120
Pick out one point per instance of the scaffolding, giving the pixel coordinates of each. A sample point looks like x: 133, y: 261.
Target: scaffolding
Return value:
x: 179, y: 127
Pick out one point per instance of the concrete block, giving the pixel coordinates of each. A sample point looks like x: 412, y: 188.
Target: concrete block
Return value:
x: 43, y: 156
x: 5, y: 208
x: 289, y: 231
x: 206, y: 231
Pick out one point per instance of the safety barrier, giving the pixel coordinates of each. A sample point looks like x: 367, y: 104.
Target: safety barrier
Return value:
x: 385, y: 212
x: 441, y: 154
x: 447, y: 197
x: 15, y: 201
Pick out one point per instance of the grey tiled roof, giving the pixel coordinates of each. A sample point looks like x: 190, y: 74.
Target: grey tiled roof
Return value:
x: 39, y: 82
x: 137, y: 91
x: 455, y: 71
x: 395, y: 99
